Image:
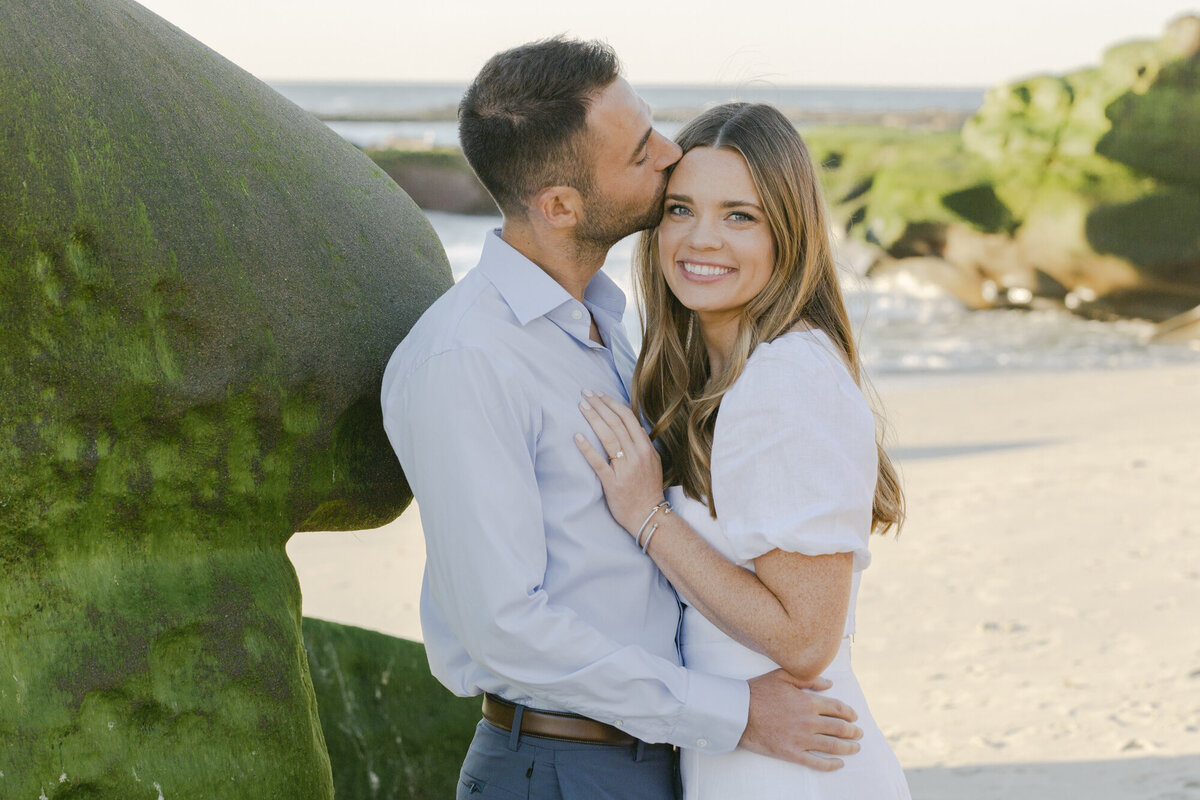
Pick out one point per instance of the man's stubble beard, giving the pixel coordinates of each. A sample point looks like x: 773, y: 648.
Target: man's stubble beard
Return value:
x: 604, y: 223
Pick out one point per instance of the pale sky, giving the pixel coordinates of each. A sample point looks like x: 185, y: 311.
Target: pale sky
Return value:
x: 783, y: 42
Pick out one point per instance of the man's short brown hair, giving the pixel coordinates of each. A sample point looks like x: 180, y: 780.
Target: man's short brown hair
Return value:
x: 523, y: 120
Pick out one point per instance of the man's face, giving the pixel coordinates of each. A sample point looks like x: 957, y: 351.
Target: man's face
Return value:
x: 629, y: 162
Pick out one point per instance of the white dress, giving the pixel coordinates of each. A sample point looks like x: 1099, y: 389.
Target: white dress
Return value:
x: 794, y: 467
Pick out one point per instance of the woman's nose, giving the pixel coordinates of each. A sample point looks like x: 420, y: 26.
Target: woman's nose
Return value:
x: 703, y: 234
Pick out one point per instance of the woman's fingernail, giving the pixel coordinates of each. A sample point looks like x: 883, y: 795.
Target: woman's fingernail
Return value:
x: 588, y: 393
x: 585, y: 405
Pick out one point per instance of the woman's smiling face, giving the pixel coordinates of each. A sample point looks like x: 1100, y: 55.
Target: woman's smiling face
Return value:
x: 714, y: 244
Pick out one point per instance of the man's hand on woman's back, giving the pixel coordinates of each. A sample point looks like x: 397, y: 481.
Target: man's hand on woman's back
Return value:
x: 795, y: 725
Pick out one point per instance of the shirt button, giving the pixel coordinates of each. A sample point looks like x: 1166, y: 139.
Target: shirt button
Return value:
x: 619, y: 722
x: 702, y: 743
x: 577, y: 314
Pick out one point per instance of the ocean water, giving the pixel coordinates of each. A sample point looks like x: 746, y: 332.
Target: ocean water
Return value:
x: 905, y: 327
x: 390, y: 99
x: 386, y: 112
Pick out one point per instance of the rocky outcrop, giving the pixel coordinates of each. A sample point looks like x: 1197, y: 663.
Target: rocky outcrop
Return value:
x: 201, y: 285
x: 1183, y: 327
x: 437, y: 180
x: 1082, y: 189
x: 391, y: 729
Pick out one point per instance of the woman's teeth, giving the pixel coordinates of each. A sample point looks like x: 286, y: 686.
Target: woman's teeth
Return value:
x: 704, y: 269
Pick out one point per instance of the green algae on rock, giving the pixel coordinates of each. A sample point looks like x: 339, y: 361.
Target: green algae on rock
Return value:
x: 1083, y: 188
x: 201, y: 285
x: 391, y: 728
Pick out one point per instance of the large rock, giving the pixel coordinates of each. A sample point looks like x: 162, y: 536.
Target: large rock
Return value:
x: 200, y: 287
x: 1087, y: 183
x: 392, y: 730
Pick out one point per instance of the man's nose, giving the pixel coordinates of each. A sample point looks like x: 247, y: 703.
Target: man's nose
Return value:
x: 669, y: 152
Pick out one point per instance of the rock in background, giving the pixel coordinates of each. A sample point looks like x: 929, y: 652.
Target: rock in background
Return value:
x: 437, y: 180
x: 1082, y: 190
x: 200, y: 287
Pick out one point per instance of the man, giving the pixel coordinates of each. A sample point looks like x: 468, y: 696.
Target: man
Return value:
x: 532, y: 592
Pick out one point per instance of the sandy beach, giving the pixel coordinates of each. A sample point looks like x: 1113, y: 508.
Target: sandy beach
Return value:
x: 1032, y: 633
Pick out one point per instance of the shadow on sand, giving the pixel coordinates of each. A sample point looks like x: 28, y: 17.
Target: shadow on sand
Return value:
x: 952, y: 450
x: 1167, y: 778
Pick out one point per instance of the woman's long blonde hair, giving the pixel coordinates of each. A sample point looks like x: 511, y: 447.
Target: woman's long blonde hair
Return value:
x: 672, y: 386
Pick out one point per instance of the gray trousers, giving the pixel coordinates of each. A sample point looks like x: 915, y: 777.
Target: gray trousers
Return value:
x: 503, y: 766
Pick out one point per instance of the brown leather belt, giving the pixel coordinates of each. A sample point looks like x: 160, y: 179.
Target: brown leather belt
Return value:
x: 553, y: 724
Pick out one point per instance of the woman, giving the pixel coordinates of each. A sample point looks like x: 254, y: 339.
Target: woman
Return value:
x: 750, y: 378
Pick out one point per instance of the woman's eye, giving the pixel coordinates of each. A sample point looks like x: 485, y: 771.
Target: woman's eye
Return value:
x: 677, y: 210
x: 741, y: 216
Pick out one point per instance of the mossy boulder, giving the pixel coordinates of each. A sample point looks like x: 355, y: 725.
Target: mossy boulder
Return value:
x: 1088, y: 184
x: 392, y: 730
x: 1156, y: 121
x: 200, y: 286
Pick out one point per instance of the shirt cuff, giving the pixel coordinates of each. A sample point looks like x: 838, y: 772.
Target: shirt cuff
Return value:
x: 715, y: 715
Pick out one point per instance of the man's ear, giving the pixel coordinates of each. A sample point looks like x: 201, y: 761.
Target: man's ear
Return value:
x: 558, y: 206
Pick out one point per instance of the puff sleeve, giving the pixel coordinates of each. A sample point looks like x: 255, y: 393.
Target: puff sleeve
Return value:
x: 794, y: 460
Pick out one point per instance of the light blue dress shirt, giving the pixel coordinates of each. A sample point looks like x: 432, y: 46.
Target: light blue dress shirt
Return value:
x: 531, y: 590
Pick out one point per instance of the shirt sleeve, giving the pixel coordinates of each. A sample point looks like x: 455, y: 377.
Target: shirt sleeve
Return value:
x: 794, y: 462
x: 466, y: 437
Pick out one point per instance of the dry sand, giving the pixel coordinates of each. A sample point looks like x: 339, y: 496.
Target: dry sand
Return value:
x: 1033, y: 632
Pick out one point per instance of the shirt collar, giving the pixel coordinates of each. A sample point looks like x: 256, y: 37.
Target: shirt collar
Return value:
x: 530, y: 292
